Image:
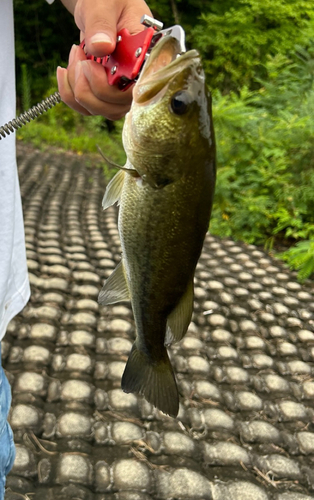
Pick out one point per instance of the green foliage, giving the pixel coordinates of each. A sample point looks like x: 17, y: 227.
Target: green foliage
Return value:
x: 301, y: 258
x: 44, y: 35
x: 235, y: 38
x: 265, y: 145
x: 186, y: 13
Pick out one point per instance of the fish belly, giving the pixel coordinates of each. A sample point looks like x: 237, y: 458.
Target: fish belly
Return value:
x: 162, y: 233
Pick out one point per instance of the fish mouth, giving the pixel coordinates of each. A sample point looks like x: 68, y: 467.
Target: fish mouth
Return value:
x: 162, y: 66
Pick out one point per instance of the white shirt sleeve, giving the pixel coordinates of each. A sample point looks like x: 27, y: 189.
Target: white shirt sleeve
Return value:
x: 14, y: 285
x: 50, y: 1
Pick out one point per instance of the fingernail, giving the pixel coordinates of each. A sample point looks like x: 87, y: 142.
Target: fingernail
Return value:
x: 61, y: 72
x: 85, y: 66
x: 101, y: 38
x: 63, y: 84
x: 78, y: 70
x: 72, y: 54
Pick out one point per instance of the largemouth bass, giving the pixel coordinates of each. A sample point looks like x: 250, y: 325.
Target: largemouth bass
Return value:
x: 165, y: 192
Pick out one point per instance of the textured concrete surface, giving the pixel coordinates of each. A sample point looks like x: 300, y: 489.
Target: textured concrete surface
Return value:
x: 245, y: 430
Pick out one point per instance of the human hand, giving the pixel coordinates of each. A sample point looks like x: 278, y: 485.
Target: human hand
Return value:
x: 83, y: 85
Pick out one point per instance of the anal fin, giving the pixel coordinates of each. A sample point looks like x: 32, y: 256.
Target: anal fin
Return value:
x: 115, y: 288
x: 179, y: 319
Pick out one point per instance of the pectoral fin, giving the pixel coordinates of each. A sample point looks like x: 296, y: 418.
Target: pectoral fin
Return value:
x: 114, y: 190
x: 115, y: 288
x: 179, y: 319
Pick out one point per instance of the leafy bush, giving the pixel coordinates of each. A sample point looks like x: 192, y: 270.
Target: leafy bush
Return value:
x: 236, y: 38
x: 301, y: 257
x: 265, y: 145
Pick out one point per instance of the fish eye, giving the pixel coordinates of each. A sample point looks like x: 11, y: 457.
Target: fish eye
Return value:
x: 180, y: 102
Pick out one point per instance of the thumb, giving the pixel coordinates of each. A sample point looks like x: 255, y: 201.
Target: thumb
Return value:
x: 98, y: 21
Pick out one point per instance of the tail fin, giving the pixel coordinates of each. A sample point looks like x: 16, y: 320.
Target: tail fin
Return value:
x: 154, y: 380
